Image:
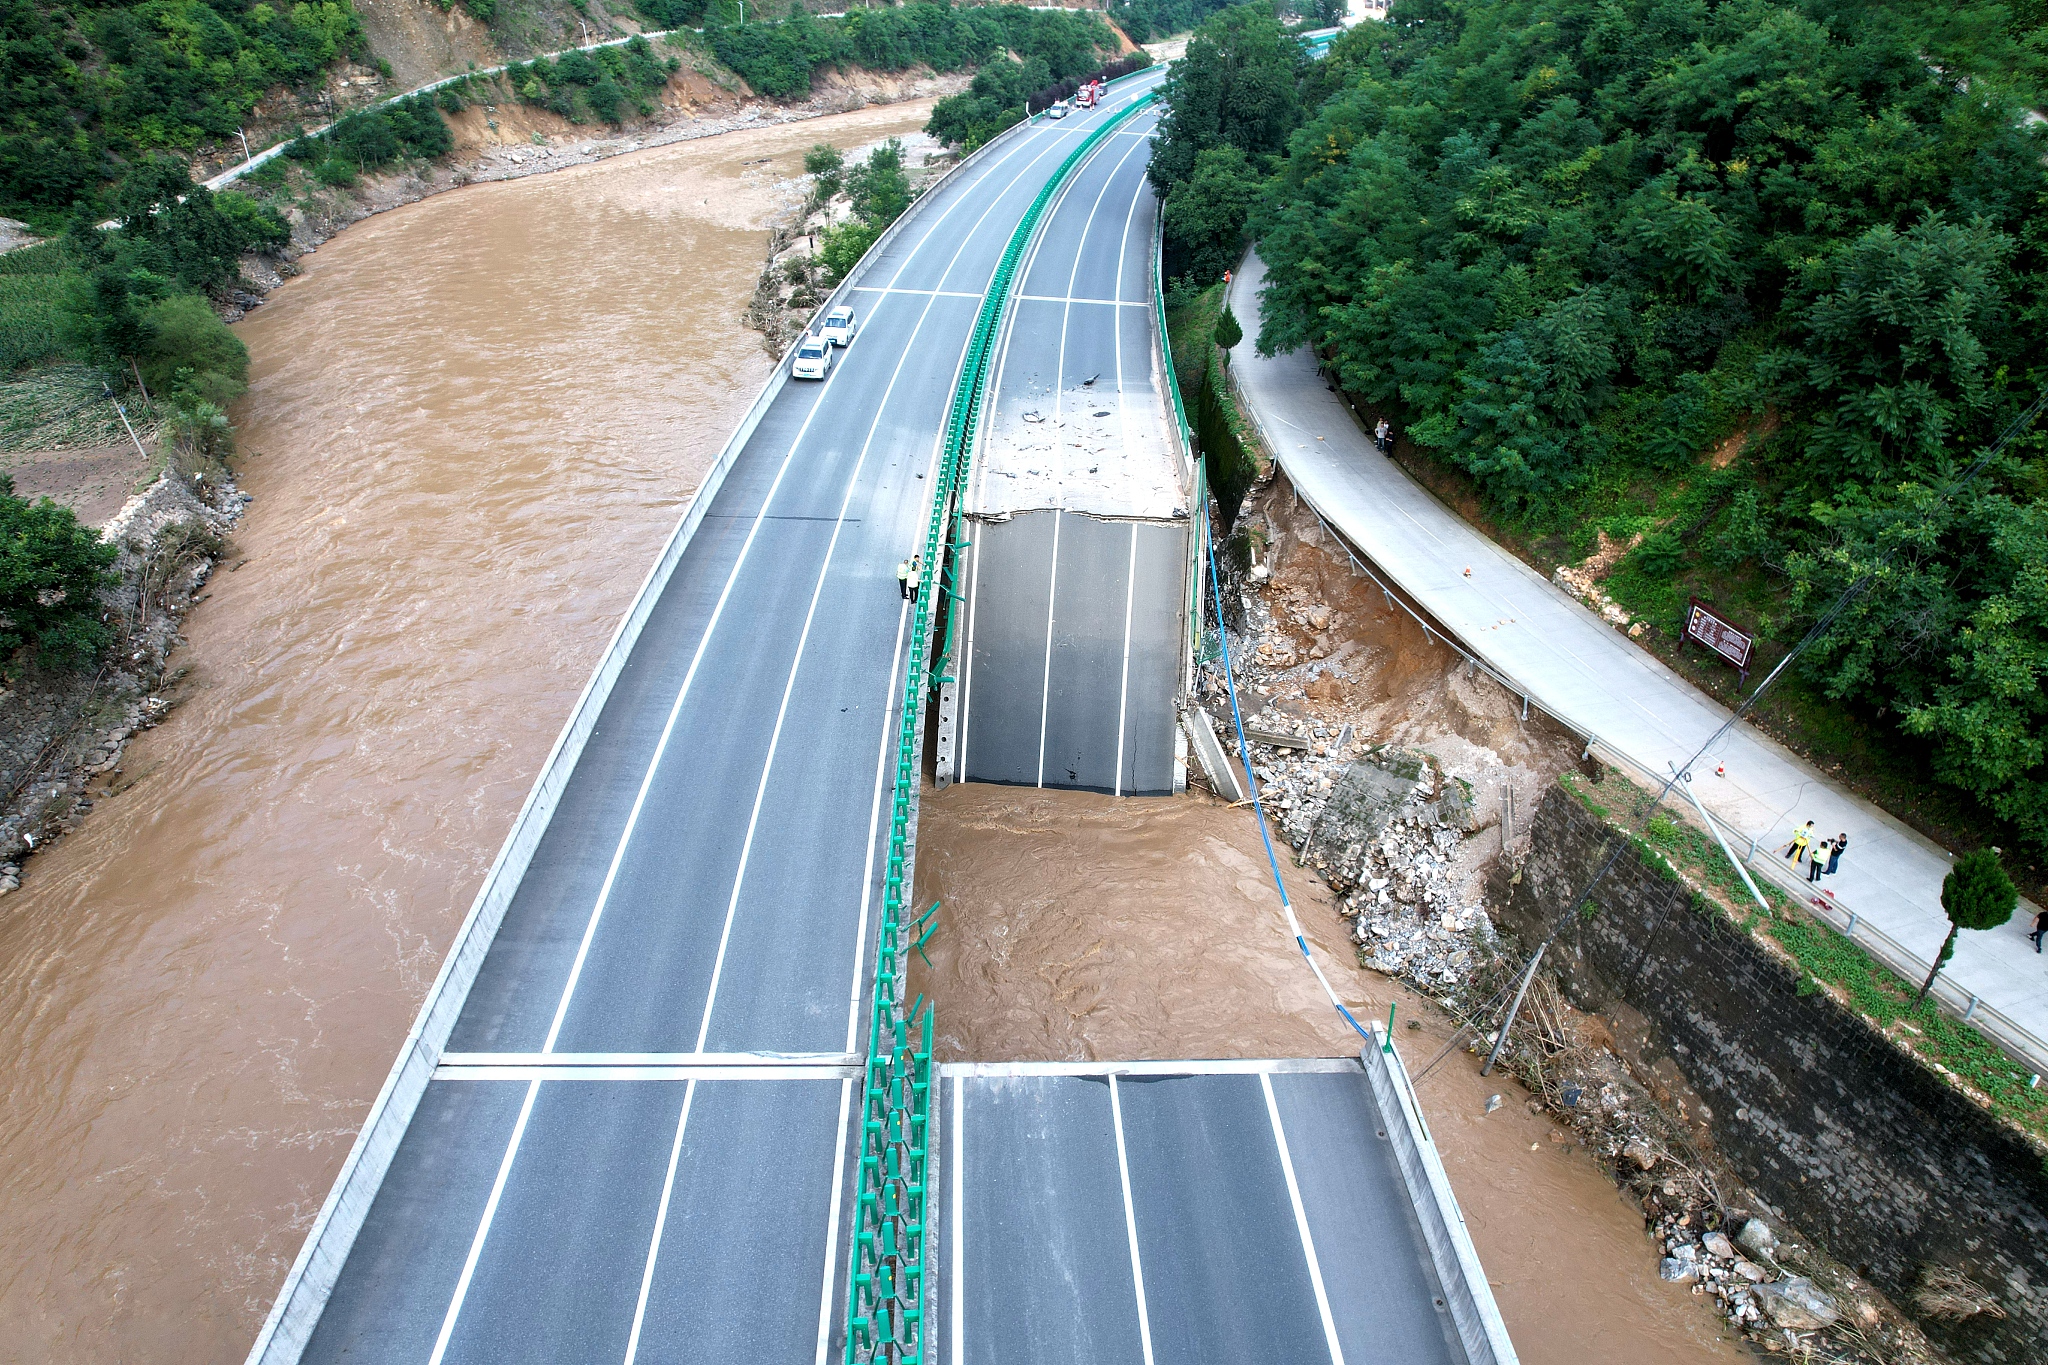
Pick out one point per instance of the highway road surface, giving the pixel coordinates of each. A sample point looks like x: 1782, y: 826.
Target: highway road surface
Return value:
x: 583, y: 1178
x: 1076, y: 579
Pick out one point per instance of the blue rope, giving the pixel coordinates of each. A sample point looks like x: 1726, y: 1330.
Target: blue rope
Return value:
x: 1258, y: 808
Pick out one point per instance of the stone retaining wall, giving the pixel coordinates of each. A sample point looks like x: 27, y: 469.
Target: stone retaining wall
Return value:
x: 1859, y: 1142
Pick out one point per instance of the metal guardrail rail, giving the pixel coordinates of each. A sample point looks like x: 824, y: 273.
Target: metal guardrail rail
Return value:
x: 886, y: 1284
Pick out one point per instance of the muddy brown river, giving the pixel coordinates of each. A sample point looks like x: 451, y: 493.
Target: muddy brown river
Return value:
x: 471, y: 424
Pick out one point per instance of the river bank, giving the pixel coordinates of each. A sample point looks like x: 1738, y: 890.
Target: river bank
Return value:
x: 460, y: 474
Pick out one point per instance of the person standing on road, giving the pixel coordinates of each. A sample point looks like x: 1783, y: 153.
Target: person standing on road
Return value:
x: 916, y: 573
x: 2040, y: 929
x: 1379, y: 435
x: 1835, y: 853
x: 1800, y: 839
x: 903, y: 578
x: 1813, y: 864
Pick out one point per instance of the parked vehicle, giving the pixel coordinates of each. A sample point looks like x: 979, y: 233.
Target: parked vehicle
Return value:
x: 1089, y: 95
x: 1057, y: 111
x: 813, y: 358
x: 838, y: 327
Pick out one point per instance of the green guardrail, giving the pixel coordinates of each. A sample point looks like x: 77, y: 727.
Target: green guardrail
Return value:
x: 885, y: 1313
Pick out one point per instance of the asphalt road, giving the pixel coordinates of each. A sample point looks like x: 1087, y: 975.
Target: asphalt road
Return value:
x: 582, y: 1179
x: 1075, y: 617
x: 1143, y: 1213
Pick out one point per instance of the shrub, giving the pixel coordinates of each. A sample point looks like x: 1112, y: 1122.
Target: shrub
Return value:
x: 51, y: 570
x: 189, y: 353
x: 841, y: 248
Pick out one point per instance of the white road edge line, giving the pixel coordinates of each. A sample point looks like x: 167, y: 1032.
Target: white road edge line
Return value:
x: 1123, y: 695
x: 867, y: 873
x: 668, y: 1185
x: 832, y: 1221
x: 1052, y: 593
x: 483, y: 1229
x: 1123, y: 1170
x: 958, y: 1323
x: 1308, y: 1244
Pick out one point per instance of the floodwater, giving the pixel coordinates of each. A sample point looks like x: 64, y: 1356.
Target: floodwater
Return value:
x: 470, y: 427
x: 1074, y: 926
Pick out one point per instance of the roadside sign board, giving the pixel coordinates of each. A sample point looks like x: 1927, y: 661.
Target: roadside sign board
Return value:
x: 1717, y: 633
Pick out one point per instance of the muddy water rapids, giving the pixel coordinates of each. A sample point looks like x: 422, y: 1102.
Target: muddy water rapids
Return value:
x: 471, y: 425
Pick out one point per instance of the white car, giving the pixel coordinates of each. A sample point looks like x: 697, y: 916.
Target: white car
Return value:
x: 839, y: 327
x: 813, y: 358
x: 1057, y: 111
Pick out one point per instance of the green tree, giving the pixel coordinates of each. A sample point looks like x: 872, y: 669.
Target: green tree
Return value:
x: 826, y: 167
x: 1976, y: 894
x: 1204, y: 216
x: 1235, y: 87
x: 878, y: 187
x: 1228, y: 330
x: 51, y: 570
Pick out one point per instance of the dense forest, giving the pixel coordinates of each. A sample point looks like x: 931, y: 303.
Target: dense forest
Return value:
x: 1742, y: 286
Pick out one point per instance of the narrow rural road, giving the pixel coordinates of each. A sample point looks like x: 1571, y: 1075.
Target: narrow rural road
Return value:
x: 1583, y: 671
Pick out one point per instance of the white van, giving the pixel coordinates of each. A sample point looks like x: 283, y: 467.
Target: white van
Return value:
x: 838, y: 327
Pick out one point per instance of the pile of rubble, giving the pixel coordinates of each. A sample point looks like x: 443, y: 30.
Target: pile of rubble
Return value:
x: 1384, y: 827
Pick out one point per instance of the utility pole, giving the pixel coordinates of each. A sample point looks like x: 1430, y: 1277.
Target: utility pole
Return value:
x: 246, y: 157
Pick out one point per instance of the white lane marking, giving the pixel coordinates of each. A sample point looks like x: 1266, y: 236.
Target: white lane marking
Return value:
x: 867, y: 872
x: 928, y: 293
x: 1052, y: 588
x: 958, y: 1247
x: 967, y: 677
x: 1123, y: 1171
x: 1123, y: 700
x: 825, y: 1303
x: 1123, y: 696
x: 1242, y: 1066
x: 668, y: 728
x: 1106, y: 303
x: 697, y: 1059
x: 1308, y: 1243
x: 668, y: 1186
x: 679, y: 1071
x: 483, y: 1229
x: 810, y: 615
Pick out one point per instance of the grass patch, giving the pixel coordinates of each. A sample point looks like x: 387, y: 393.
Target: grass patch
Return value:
x: 1190, y: 331
x: 1873, y: 990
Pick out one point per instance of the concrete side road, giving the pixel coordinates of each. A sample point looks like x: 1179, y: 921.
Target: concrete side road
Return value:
x: 1586, y: 673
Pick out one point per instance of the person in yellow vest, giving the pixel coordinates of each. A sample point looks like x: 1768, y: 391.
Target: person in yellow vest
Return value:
x: 1802, y: 837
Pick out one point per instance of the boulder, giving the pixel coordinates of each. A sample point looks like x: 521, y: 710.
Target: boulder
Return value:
x: 1795, y: 1302
x: 1756, y: 1238
x: 1719, y: 1246
x: 1677, y: 1271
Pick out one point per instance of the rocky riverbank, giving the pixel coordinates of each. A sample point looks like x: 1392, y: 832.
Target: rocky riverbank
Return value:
x: 64, y: 729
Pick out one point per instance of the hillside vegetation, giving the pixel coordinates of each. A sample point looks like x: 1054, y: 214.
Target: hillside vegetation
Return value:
x: 1743, y: 286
